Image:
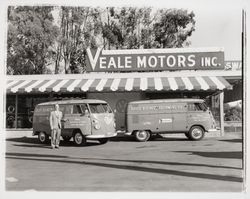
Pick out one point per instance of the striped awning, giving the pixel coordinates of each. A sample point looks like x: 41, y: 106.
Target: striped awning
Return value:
x: 115, y: 82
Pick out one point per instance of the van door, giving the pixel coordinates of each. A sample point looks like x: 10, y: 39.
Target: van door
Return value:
x: 164, y: 122
x: 179, y: 114
x: 198, y: 115
x: 75, y: 118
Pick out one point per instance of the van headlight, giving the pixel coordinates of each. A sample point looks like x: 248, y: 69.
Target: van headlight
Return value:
x: 97, y: 126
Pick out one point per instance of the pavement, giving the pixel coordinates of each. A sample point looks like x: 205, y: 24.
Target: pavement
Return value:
x: 169, y: 164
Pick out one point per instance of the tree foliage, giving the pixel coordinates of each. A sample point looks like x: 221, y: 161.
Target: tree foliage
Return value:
x: 36, y: 39
x: 233, y: 113
x: 173, y: 28
x: 31, y: 33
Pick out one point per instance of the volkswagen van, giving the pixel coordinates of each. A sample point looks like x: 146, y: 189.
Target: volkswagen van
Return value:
x: 82, y: 120
x: 189, y: 116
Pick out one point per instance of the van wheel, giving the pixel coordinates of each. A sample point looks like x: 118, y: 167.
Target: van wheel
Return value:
x: 43, y: 137
x: 103, y: 140
x: 196, y: 133
x: 79, y: 139
x: 66, y: 138
x: 142, y: 135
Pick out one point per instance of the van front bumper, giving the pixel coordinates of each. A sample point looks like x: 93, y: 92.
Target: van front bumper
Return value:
x: 106, y: 135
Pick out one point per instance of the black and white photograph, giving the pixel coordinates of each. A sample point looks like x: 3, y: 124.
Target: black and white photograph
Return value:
x: 124, y: 97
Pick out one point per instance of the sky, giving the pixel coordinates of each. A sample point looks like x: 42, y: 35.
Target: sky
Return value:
x: 219, y: 27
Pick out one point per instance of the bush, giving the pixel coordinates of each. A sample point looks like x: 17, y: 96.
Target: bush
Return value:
x: 233, y: 113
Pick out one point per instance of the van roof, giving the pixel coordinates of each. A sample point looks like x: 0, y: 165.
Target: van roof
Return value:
x: 167, y: 101
x: 81, y: 101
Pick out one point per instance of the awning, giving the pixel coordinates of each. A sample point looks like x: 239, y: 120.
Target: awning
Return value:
x: 102, y: 82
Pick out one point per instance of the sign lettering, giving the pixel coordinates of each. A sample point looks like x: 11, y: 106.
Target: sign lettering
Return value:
x: 233, y: 65
x: 153, y: 60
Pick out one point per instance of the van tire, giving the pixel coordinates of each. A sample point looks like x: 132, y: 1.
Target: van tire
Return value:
x: 142, y: 135
x: 79, y: 139
x: 103, y: 140
x: 196, y: 133
x: 43, y: 137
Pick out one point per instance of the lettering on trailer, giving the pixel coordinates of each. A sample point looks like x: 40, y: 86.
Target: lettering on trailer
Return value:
x: 152, y: 60
x: 45, y: 109
x: 165, y: 120
x: 156, y: 108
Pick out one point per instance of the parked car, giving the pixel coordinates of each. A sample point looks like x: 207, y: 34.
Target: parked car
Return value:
x: 189, y: 116
x: 82, y: 120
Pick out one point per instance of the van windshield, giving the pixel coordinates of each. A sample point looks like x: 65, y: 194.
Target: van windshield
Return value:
x: 100, y: 108
x: 201, y: 106
x: 197, y: 107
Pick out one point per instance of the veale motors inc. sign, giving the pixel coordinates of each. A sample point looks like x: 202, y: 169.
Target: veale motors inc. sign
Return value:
x: 99, y: 60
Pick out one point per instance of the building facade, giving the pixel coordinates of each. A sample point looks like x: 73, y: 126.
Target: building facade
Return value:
x: 121, y: 76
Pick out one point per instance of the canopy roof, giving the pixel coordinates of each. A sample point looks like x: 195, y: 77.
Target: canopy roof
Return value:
x: 111, y: 82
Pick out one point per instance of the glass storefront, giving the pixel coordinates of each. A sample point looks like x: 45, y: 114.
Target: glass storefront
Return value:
x: 20, y: 115
x: 10, y: 111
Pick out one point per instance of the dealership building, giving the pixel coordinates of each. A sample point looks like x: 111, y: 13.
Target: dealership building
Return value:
x: 121, y: 76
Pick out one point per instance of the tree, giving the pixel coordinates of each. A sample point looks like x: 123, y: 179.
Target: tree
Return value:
x: 36, y: 41
x: 173, y: 27
x: 134, y: 28
x: 79, y: 27
x: 31, y: 33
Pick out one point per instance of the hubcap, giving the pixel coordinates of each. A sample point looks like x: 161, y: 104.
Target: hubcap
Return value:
x: 142, y: 134
x: 78, y: 138
x: 42, y: 137
x: 197, y: 133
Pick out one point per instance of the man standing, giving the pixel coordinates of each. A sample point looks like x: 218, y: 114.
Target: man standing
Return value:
x: 55, y: 125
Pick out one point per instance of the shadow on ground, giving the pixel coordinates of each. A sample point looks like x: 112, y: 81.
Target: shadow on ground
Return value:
x: 109, y: 163
x: 33, y: 142
x: 233, y: 140
x: 217, y: 154
x: 130, y: 138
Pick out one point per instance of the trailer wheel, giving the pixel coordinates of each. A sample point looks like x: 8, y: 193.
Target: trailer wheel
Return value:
x: 142, y: 135
x: 79, y: 139
x: 43, y: 137
x: 196, y: 133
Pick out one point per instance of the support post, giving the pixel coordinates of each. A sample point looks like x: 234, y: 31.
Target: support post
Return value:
x: 221, y: 113
x: 16, y: 111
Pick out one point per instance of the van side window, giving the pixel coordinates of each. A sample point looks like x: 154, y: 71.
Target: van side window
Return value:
x: 84, y: 108
x: 61, y: 108
x: 77, y: 109
x: 68, y: 109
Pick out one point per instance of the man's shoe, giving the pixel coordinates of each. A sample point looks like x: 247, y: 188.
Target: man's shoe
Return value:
x: 52, y: 147
x: 57, y: 147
